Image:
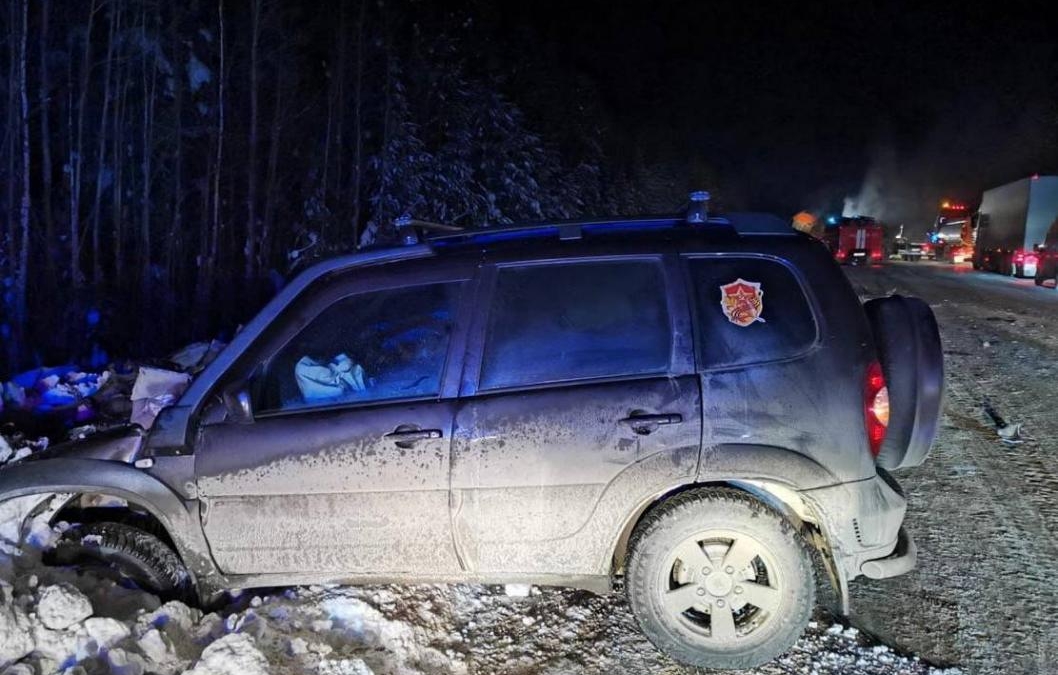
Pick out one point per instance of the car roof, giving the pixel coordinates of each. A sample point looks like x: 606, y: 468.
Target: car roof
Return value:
x: 743, y: 231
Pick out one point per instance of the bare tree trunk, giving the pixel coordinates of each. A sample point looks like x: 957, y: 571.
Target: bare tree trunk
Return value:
x: 118, y: 192
x: 45, y: 145
x: 176, y: 246
x: 210, y: 239
x: 7, y: 253
x: 22, y: 275
x: 251, y: 171
x: 339, y: 124
x: 220, y: 140
x: 149, y: 82
x: 273, y: 163
x: 358, y: 130
x: 76, y: 161
x: 97, y: 253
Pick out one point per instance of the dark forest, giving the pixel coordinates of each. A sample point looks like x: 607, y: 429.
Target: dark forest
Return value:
x: 167, y: 165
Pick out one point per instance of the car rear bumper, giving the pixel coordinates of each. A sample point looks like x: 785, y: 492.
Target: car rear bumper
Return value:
x: 863, y: 524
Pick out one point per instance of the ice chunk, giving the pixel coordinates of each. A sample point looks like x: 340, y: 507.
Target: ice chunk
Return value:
x: 61, y: 606
x: 233, y: 654
x: 16, y: 637
x: 517, y: 590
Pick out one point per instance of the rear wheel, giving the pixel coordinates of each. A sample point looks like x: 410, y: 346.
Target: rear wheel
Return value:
x: 717, y: 579
x: 128, y: 553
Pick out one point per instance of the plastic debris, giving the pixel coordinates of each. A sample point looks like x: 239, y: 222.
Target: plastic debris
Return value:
x: 155, y: 389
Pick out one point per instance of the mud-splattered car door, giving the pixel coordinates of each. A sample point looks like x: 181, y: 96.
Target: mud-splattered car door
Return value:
x: 585, y: 406
x: 344, y: 469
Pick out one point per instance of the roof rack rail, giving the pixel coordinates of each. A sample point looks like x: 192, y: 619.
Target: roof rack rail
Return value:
x: 413, y: 231
x: 696, y: 213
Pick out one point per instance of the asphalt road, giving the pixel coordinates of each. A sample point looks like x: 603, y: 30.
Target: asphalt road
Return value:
x: 984, y: 513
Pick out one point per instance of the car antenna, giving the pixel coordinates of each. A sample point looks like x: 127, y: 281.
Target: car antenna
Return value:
x: 411, y: 230
x: 697, y: 208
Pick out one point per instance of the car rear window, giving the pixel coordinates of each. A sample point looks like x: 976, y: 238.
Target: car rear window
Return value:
x: 748, y: 310
x: 573, y: 321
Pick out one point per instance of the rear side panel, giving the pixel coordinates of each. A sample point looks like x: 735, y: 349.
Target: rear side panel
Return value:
x: 810, y: 403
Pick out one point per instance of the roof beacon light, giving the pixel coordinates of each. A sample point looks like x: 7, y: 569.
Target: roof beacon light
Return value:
x: 698, y: 208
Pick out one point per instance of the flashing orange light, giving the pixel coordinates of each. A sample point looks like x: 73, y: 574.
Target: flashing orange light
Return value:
x: 945, y: 205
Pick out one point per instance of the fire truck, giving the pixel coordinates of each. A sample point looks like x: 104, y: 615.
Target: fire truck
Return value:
x: 861, y: 239
x: 954, y: 232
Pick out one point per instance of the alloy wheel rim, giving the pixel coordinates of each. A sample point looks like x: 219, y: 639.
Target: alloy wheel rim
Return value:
x: 721, y: 585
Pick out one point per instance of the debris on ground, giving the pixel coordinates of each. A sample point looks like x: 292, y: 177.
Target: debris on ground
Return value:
x: 1009, y: 432
x: 65, y: 402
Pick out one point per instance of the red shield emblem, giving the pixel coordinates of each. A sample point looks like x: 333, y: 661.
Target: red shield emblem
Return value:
x: 742, y: 302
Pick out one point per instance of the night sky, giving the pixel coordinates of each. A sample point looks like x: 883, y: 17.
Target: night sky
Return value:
x: 795, y: 104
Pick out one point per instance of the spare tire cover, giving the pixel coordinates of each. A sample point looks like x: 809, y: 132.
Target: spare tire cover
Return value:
x: 908, y: 344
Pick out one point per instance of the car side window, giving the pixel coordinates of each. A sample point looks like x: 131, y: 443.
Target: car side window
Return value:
x: 748, y: 310
x: 376, y: 346
x: 573, y: 321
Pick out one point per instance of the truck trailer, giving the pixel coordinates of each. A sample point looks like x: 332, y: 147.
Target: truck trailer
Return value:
x: 1012, y: 223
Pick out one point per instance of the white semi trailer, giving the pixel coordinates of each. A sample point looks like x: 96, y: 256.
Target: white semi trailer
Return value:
x: 1012, y: 221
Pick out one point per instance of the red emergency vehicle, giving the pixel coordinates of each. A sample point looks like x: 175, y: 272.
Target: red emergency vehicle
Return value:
x: 861, y: 239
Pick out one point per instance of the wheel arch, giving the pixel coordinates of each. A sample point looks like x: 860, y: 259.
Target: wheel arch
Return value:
x: 74, y: 477
x: 783, y: 497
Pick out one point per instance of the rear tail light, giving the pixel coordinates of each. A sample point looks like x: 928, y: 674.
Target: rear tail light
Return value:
x: 1031, y: 260
x: 839, y: 255
x: 875, y: 407
x: 877, y: 255
x: 1019, y: 257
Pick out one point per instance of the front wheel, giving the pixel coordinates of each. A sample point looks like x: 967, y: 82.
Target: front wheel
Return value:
x: 128, y: 553
x: 717, y: 579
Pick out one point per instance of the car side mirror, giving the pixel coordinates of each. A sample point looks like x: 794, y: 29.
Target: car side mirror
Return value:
x: 238, y: 403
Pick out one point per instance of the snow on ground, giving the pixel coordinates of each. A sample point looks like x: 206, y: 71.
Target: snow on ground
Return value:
x: 55, y: 620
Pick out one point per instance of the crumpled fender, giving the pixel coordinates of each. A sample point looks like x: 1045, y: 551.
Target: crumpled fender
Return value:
x: 69, y: 475
x: 738, y: 461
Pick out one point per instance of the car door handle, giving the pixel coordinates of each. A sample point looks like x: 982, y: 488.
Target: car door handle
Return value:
x: 644, y: 424
x: 407, y: 437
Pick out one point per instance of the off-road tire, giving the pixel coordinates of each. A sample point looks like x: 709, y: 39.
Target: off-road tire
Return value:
x: 685, y: 516
x: 134, y: 553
